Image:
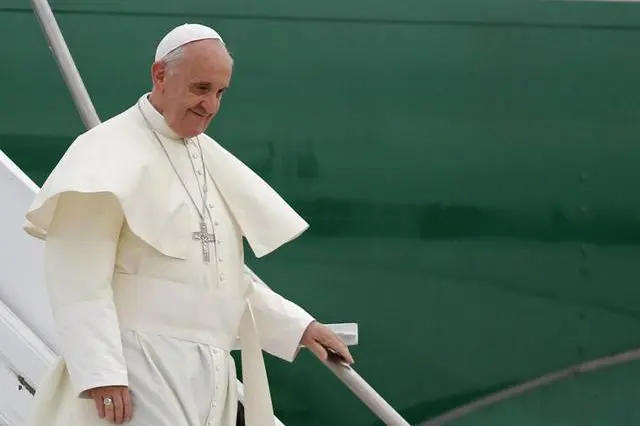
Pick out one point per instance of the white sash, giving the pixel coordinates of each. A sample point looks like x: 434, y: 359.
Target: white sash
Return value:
x: 195, y: 314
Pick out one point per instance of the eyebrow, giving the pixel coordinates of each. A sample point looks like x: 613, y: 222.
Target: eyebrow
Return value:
x: 207, y: 85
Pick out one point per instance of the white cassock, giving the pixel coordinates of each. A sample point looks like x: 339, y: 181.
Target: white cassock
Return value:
x: 133, y: 300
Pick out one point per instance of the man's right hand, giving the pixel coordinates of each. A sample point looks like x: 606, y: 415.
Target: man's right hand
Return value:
x: 120, y: 410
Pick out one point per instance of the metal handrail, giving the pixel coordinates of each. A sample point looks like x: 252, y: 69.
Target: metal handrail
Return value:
x: 90, y: 118
x: 65, y: 62
x: 365, y: 392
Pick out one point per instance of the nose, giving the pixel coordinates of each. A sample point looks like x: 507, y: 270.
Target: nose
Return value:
x: 210, y: 104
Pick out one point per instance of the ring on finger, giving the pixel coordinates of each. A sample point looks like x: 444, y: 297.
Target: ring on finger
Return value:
x: 107, y: 401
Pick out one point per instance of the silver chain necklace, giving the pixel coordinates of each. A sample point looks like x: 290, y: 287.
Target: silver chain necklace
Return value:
x: 203, y: 234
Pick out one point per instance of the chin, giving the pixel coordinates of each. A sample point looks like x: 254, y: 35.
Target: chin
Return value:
x: 192, y: 129
x: 202, y: 127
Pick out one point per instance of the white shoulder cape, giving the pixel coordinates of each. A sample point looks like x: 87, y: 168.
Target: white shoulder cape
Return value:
x: 120, y: 156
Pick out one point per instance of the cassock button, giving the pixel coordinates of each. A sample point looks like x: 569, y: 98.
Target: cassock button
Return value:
x: 217, y: 367
x: 221, y: 277
x: 216, y: 223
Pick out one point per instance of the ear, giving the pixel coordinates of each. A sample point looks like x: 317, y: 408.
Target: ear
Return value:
x: 158, y: 73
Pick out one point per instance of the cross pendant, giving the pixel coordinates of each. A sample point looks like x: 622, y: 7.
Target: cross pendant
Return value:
x: 205, y: 239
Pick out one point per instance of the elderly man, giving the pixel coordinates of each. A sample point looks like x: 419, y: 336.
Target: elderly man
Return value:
x: 143, y: 219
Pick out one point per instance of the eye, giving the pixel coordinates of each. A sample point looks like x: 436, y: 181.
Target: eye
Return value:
x: 201, y: 88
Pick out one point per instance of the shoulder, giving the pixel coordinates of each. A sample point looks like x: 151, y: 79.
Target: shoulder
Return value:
x: 218, y: 154
x: 110, y: 157
x: 116, y: 149
x: 121, y: 133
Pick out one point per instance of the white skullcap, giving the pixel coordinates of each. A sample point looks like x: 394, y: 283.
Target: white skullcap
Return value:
x: 182, y: 35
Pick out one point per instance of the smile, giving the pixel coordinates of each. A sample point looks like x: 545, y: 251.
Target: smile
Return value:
x: 203, y: 115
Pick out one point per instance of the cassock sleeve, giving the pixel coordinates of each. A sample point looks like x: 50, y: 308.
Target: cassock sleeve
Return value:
x: 280, y: 322
x: 79, y: 261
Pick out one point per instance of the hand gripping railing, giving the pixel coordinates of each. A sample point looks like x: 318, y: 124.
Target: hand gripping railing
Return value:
x: 90, y: 119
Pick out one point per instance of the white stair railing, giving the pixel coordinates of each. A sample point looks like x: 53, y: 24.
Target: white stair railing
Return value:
x: 90, y: 118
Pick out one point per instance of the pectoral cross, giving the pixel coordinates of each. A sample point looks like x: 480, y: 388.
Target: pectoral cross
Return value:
x: 205, y: 239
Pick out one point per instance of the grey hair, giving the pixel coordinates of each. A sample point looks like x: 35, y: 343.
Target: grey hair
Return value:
x: 172, y: 59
